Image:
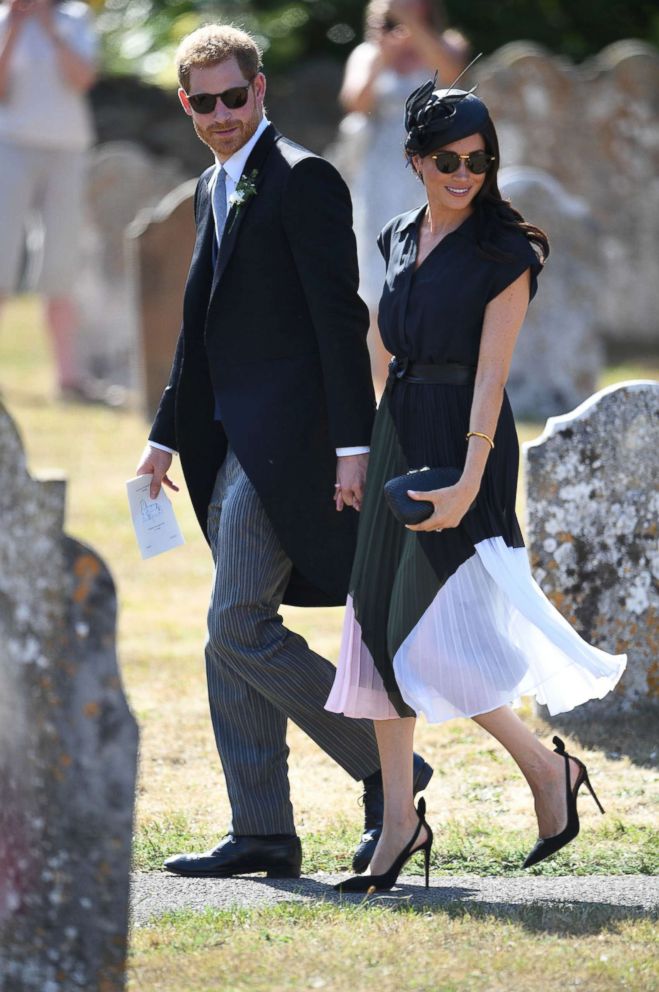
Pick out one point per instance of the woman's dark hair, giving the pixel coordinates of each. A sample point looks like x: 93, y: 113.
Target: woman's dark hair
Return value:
x: 493, y: 211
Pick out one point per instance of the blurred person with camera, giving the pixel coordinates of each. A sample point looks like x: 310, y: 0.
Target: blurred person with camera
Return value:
x: 405, y: 41
x: 47, y: 65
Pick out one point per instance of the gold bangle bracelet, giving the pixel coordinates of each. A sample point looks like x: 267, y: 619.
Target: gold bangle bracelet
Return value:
x: 485, y: 437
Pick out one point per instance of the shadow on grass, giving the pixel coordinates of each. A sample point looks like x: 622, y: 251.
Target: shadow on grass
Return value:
x: 549, y: 914
x: 632, y: 736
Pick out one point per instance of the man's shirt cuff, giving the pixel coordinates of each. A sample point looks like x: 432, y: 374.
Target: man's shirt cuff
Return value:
x: 163, y: 447
x: 341, y: 452
x: 360, y: 450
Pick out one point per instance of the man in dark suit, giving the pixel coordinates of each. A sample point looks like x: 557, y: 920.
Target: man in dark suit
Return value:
x: 270, y: 406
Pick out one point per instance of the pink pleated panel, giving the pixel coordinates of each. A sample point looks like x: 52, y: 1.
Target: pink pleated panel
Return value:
x: 358, y: 690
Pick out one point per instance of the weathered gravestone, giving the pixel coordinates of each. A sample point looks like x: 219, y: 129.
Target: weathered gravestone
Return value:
x: 68, y: 746
x: 122, y: 179
x: 559, y: 355
x: 159, y: 246
x: 592, y: 515
x: 595, y: 128
x: 531, y: 95
x: 621, y: 97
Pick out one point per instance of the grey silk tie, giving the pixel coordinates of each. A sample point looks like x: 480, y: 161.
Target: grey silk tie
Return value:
x: 219, y: 209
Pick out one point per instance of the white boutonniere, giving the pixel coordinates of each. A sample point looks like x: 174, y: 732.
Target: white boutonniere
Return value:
x: 245, y: 189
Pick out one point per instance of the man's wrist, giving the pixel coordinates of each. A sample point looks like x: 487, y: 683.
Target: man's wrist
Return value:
x: 163, y: 447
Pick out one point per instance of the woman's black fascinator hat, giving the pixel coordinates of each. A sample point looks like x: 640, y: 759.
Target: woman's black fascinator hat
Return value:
x: 434, y: 118
x: 437, y: 117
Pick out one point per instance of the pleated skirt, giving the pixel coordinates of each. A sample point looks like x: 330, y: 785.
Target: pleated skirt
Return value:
x: 452, y: 623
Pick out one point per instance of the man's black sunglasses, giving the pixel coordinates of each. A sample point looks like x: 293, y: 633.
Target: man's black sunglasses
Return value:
x: 205, y: 103
x: 448, y: 162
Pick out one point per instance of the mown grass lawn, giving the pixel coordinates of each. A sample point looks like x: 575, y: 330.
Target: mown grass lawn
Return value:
x: 478, y: 804
x: 358, y: 949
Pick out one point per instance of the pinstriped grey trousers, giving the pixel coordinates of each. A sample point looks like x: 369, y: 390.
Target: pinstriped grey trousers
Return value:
x: 259, y: 673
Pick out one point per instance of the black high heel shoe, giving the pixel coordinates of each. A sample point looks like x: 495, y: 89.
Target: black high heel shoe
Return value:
x: 387, y: 880
x: 545, y: 846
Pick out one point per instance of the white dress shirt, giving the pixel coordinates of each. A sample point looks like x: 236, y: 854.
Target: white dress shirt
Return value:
x: 234, y: 168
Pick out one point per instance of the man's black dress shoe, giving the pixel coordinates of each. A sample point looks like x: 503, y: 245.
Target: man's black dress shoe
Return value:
x: 373, y: 801
x: 279, y: 855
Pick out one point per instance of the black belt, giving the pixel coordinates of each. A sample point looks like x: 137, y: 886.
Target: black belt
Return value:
x: 450, y: 373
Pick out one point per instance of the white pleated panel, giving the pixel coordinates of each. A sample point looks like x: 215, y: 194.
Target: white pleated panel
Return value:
x: 490, y: 636
x: 592, y: 672
x: 358, y: 689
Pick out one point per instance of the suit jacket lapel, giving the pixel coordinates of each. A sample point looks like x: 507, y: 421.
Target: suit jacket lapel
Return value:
x: 206, y: 228
x: 200, y: 278
x: 236, y: 214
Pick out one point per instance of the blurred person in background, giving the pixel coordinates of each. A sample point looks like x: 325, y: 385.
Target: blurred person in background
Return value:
x: 405, y: 40
x: 47, y: 65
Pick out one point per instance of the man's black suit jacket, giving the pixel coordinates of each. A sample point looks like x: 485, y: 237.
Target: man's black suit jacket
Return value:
x: 278, y: 332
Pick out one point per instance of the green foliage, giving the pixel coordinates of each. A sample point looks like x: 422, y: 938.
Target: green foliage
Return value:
x: 141, y: 35
x: 576, y: 30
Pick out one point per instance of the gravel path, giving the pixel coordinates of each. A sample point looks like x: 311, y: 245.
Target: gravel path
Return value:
x: 594, y: 899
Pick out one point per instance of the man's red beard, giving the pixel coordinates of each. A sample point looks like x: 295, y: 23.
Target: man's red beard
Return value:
x: 239, y: 133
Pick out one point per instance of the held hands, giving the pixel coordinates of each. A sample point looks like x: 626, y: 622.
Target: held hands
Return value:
x: 450, y: 505
x: 156, y: 462
x: 350, y: 480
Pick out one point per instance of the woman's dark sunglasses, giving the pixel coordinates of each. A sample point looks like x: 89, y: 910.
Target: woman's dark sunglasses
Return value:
x: 448, y: 162
x: 205, y: 103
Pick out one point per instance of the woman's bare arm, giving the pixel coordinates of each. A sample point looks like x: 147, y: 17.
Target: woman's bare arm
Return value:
x: 79, y: 72
x: 15, y: 20
x: 503, y: 320
x: 362, y: 69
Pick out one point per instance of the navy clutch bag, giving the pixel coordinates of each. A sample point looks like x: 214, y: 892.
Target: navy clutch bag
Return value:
x: 413, y: 511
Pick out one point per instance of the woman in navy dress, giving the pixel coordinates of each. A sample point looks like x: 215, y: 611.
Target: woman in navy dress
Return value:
x: 444, y: 618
